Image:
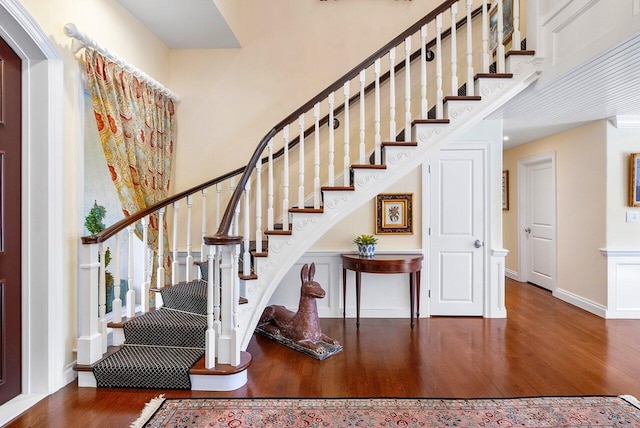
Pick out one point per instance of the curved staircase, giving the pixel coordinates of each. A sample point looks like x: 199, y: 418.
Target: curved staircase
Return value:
x: 222, y: 328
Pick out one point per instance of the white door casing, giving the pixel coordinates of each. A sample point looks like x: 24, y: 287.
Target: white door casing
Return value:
x: 457, y: 252
x: 537, y: 220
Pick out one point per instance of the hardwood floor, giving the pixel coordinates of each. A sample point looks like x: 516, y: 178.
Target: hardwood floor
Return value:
x: 544, y: 347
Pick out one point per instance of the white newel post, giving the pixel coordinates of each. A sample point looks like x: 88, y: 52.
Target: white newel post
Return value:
x: 145, y: 290
x: 228, y: 344
x: 210, y: 336
x: 90, y: 339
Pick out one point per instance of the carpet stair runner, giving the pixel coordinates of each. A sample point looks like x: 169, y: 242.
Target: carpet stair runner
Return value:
x: 161, y: 346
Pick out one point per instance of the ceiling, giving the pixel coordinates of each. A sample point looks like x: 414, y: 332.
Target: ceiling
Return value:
x: 184, y: 24
x: 606, y: 86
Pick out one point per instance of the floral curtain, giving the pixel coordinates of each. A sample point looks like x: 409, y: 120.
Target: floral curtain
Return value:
x: 136, y: 124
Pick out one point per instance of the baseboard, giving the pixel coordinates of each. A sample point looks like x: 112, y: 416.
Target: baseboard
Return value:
x: 69, y: 374
x: 18, y: 405
x: 581, y: 302
x: 511, y: 274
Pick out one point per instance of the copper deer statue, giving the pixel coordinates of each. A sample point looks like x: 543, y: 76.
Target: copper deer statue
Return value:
x: 302, y: 327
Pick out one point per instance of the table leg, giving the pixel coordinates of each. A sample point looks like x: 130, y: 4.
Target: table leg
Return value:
x: 412, y: 285
x: 417, y: 294
x: 344, y: 293
x: 357, y: 299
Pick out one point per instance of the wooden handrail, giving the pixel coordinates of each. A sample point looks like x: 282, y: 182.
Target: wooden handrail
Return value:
x: 227, y: 218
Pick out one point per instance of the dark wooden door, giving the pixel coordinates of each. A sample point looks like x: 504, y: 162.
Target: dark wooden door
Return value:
x: 10, y: 227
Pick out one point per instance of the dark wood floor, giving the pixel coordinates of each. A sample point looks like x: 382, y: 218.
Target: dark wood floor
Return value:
x: 545, y: 347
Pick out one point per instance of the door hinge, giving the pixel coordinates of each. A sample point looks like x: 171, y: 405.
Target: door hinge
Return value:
x: 429, y: 169
x: 429, y: 293
x: 429, y: 232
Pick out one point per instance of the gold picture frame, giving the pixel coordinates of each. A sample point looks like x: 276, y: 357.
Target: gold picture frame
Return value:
x: 394, y: 213
x: 634, y: 180
x: 507, y: 24
x: 505, y: 190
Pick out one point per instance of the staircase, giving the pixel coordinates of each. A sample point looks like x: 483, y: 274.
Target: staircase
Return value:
x: 217, y: 333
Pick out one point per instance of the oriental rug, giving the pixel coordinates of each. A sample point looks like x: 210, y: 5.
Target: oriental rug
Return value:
x: 596, y: 411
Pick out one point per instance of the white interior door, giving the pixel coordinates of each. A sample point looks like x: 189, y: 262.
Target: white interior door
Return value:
x: 456, y: 242
x: 537, y: 209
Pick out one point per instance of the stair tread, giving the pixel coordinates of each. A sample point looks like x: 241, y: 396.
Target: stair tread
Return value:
x: 307, y: 210
x: 221, y: 369
x: 463, y: 98
x: 431, y: 121
x: 329, y: 188
x: 399, y: 143
x: 368, y: 166
x: 277, y: 232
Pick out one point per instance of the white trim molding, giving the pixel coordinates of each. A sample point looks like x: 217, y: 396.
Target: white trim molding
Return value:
x: 623, y: 283
x: 580, y: 302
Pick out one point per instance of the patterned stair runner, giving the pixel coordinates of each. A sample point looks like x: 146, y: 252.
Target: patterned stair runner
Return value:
x: 161, y: 346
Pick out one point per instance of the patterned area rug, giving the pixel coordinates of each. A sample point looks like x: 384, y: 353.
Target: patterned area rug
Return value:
x: 393, y: 412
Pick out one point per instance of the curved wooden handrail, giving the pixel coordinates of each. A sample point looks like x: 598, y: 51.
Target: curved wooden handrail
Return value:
x: 225, y: 224
x: 227, y: 218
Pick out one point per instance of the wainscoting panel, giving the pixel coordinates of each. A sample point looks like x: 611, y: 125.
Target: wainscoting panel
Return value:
x: 623, y: 277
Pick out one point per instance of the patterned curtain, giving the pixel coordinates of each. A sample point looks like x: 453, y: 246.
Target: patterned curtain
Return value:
x: 136, y: 124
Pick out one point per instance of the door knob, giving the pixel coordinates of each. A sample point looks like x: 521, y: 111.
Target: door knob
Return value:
x: 527, y: 229
x: 478, y: 243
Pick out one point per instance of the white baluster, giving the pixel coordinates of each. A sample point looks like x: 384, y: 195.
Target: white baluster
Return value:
x: 500, y: 67
x: 470, y: 85
x: 316, y: 157
x: 347, y: 159
x: 454, y: 50
x: 189, y: 259
x: 423, y: 73
x: 145, y: 290
x: 131, y: 292
x: 236, y: 213
x: 516, y: 36
x: 270, y: 187
x: 377, y: 139
x: 218, y: 201
x: 439, y: 92
x: 363, y: 149
x: 285, y: 180
x: 301, y: 161
x: 331, y: 139
x: 203, y: 231
x: 246, y: 256
x: 160, y: 271
x: 175, y: 266
x: 259, y: 206
x: 102, y: 299
x: 407, y: 89
x: 392, y: 95
x: 486, y: 58
x: 116, y: 306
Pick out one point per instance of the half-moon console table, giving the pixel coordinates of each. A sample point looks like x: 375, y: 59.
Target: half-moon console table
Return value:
x: 383, y: 263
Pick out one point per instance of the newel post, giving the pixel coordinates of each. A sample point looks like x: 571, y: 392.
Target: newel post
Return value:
x: 89, y: 336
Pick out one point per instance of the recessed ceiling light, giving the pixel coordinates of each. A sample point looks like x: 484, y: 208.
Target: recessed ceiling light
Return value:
x: 505, y: 138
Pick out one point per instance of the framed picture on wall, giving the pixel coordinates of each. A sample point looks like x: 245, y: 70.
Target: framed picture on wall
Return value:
x: 634, y: 180
x: 394, y: 213
x: 505, y: 190
x: 507, y: 24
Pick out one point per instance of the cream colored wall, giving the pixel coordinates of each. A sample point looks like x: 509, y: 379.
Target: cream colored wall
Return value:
x: 581, y: 207
x: 620, y: 144
x: 130, y: 40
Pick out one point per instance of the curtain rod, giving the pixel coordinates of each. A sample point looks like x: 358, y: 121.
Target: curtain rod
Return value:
x: 72, y: 31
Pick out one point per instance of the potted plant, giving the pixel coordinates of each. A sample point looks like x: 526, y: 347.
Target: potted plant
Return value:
x: 94, y: 222
x: 366, y: 245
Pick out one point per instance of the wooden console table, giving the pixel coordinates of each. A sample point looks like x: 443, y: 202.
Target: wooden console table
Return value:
x: 384, y: 263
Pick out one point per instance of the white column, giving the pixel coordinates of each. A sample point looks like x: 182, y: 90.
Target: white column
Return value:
x: 90, y: 339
